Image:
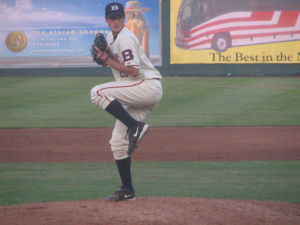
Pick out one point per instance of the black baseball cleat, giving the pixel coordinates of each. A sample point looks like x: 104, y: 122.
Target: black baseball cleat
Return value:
x: 135, y: 135
x: 122, y: 194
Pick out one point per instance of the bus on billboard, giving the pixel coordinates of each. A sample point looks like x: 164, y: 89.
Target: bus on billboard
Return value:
x: 219, y: 24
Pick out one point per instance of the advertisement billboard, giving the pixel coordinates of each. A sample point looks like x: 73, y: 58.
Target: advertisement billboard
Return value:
x: 235, y: 31
x: 54, y: 33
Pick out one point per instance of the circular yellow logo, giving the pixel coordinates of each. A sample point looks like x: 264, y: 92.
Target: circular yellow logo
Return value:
x: 16, y: 41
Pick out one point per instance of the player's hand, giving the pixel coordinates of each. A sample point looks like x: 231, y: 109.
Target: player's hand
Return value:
x: 98, y: 56
x: 99, y: 50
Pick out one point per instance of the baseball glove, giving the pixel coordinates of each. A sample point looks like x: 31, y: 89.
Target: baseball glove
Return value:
x: 101, y: 44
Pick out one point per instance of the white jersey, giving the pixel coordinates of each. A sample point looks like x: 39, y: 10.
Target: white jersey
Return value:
x: 127, y: 50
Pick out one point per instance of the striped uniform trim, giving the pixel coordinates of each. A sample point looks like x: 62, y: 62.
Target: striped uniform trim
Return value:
x: 112, y: 87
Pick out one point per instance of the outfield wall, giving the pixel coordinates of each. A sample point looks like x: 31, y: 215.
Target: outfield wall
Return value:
x: 220, y: 65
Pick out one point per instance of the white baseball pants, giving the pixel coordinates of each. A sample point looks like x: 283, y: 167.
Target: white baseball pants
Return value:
x: 138, y: 97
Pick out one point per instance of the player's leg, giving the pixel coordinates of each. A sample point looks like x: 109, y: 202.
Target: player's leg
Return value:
x: 108, y: 96
x: 113, y: 96
x: 136, y: 128
x: 136, y: 94
x: 150, y: 93
x: 135, y: 135
x: 119, y: 145
x: 116, y: 109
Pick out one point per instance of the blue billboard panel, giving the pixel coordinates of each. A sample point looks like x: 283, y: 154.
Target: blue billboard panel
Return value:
x: 54, y: 33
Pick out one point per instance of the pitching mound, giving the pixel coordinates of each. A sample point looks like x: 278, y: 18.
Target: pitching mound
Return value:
x: 154, y: 210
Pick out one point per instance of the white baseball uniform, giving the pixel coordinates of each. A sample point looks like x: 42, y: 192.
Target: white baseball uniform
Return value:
x: 138, y: 95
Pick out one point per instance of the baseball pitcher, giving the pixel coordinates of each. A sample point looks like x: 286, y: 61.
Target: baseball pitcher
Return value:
x: 130, y: 98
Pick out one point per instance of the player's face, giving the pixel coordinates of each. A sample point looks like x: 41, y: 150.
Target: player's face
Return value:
x: 115, y: 23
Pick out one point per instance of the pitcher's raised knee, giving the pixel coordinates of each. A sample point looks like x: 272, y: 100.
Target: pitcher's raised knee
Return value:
x: 99, y: 98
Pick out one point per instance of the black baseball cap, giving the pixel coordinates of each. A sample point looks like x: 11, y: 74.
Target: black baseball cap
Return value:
x: 114, y: 9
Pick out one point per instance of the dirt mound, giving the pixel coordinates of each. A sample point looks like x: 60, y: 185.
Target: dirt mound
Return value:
x: 153, y: 210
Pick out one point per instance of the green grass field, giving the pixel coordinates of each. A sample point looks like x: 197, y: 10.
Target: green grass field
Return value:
x: 188, y: 101
x: 259, y: 180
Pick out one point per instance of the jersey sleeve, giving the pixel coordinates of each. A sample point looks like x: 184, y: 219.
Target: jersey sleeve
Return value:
x: 129, y: 49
